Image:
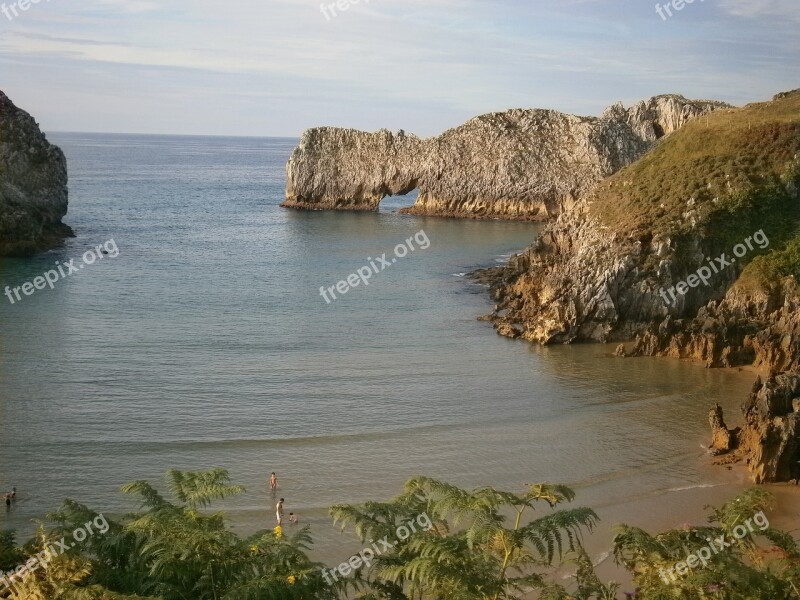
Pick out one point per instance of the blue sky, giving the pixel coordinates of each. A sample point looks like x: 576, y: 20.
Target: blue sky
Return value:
x: 276, y: 67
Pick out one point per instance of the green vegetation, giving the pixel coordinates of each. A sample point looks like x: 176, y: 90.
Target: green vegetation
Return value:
x: 484, y: 544
x: 745, y: 570
x: 718, y: 179
x: 172, y: 551
x: 766, y: 272
x: 723, y: 156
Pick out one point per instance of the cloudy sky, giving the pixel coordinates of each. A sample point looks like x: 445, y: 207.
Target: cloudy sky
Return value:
x: 276, y: 67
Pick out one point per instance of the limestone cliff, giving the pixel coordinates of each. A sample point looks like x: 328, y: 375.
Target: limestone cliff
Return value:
x: 33, y: 185
x: 692, y: 252
x: 520, y: 164
x: 602, y: 270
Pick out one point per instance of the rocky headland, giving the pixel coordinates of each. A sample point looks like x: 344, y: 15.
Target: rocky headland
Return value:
x: 520, y: 164
x: 33, y: 185
x: 693, y: 251
x: 674, y: 230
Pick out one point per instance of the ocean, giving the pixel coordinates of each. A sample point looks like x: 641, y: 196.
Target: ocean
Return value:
x: 207, y: 343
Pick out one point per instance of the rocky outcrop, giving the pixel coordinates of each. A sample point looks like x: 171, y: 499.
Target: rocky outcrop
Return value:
x: 519, y: 164
x: 603, y: 273
x: 745, y: 328
x: 769, y: 441
x: 33, y: 185
x: 723, y: 440
x: 692, y: 252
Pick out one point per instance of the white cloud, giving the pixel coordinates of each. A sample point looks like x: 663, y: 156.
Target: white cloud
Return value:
x: 782, y: 9
x: 419, y: 64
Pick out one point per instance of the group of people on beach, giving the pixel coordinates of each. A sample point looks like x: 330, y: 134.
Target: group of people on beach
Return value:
x: 10, y: 497
x: 273, y: 486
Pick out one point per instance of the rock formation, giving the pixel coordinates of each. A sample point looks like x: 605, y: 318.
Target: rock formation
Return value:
x: 602, y: 270
x: 769, y: 442
x: 33, y: 185
x: 625, y: 263
x: 745, y: 328
x: 520, y: 164
x: 641, y: 218
x: 723, y: 440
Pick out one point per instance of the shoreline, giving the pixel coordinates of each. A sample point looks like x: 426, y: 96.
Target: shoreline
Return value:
x: 413, y: 211
x: 722, y: 484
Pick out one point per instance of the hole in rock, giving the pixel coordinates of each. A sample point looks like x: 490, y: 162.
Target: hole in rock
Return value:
x: 395, y: 203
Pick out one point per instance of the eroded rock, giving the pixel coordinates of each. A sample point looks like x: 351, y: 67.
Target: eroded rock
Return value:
x: 769, y: 441
x: 33, y: 185
x: 723, y: 440
x: 520, y: 164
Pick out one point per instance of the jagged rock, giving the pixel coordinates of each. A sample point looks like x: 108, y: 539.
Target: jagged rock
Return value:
x: 520, y: 164
x: 33, y: 185
x: 745, y: 328
x: 508, y: 330
x: 577, y: 283
x: 723, y: 440
x: 583, y: 280
x: 769, y: 442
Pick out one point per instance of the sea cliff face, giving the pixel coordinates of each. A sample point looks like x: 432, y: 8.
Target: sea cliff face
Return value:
x: 520, y: 164
x: 603, y: 269
x: 33, y: 185
x: 691, y: 252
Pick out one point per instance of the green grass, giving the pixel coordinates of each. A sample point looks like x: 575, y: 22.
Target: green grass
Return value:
x: 716, y: 161
x: 720, y: 178
x: 766, y: 272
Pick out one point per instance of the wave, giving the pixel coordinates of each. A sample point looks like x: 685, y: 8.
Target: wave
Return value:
x: 144, y: 446
x: 695, y: 487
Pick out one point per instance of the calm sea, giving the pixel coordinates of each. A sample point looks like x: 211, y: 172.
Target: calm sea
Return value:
x: 206, y: 343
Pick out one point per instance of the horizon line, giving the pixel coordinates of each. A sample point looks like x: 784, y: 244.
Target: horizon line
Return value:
x: 196, y: 135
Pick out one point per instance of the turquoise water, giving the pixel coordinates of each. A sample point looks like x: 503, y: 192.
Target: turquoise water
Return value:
x: 206, y: 343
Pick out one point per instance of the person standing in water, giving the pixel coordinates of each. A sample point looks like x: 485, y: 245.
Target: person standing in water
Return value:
x: 279, y: 512
x: 273, y: 481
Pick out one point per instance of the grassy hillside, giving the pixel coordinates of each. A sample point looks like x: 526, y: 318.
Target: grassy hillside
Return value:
x: 721, y: 178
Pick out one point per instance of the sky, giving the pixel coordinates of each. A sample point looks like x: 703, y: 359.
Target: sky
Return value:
x: 277, y: 67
